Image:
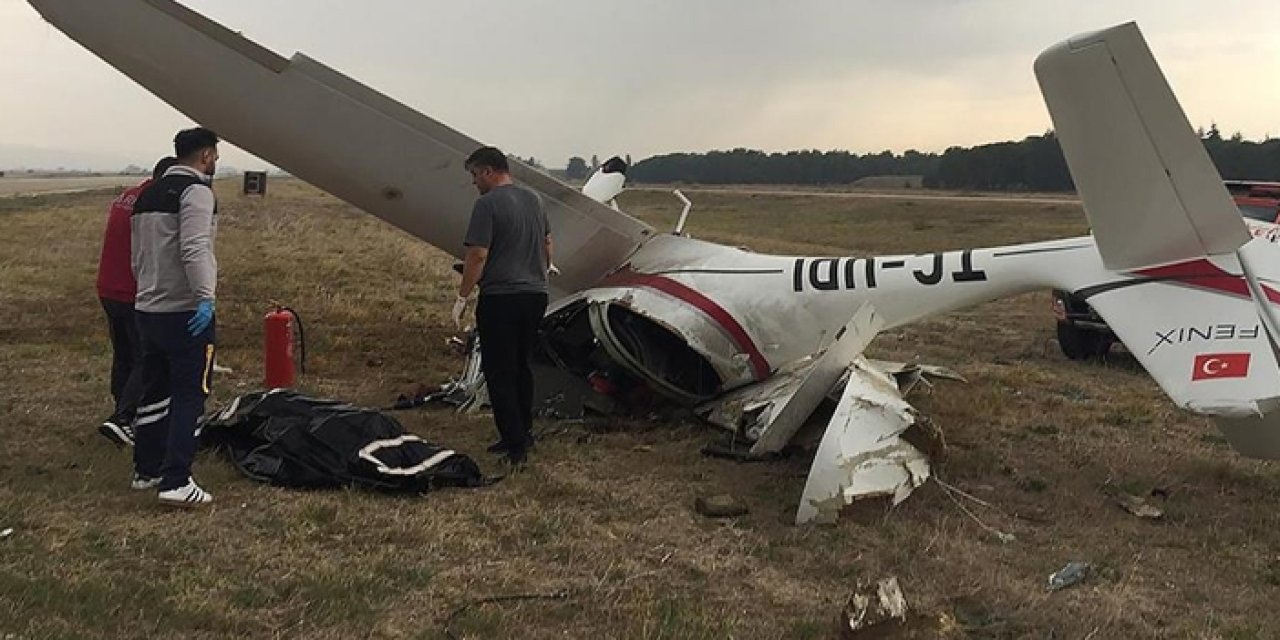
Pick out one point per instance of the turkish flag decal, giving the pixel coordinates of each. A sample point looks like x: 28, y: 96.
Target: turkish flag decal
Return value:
x: 1211, y: 366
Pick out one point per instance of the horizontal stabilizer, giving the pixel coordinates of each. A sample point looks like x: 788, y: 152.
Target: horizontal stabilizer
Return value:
x: 1205, y: 331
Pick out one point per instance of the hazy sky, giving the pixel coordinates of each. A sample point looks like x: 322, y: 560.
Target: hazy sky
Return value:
x: 554, y: 78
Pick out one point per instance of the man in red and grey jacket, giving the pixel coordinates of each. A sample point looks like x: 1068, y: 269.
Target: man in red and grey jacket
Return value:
x: 116, y: 291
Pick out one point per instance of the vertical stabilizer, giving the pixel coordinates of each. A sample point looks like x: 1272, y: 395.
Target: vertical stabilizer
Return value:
x: 1148, y: 186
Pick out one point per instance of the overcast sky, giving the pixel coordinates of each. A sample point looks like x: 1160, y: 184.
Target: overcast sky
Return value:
x: 555, y: 78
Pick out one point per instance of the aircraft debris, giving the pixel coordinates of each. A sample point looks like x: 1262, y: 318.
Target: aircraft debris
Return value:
x: 862, y: 453
x: 6, y: 533
x: 873, y: 605
x: 910, y: 374
x: 698, y: 322
x: 1135, y: 505
x: 739, y: 450
x: 1074, y: 573
x: 720, y: 505
x: 771, y: 412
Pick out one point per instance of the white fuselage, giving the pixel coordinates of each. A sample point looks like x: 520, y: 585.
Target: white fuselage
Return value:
x: 750, y: 313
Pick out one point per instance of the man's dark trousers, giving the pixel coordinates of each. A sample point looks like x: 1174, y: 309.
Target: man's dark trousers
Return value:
x: 126, y: 358
x: 508, y: 325
x: 177, y: 370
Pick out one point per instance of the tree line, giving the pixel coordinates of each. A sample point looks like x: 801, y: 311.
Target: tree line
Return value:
x: 1035, y: 163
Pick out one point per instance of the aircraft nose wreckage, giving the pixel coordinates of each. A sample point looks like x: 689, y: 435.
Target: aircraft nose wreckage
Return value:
x: 754, y: 342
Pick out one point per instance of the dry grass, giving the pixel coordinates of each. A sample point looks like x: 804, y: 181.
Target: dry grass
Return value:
x: 14, y: 185
x: 598, y: 513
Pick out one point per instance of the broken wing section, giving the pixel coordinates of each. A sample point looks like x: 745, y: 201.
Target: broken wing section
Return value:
x: 862, y: 453
x: 331, y: 130
x: 769, y: 413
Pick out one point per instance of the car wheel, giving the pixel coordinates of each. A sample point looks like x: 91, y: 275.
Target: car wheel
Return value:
x: 1082, y: 344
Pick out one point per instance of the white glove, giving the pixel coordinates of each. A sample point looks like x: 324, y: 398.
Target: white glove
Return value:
x: 459, y: 308
x: 553, y: 270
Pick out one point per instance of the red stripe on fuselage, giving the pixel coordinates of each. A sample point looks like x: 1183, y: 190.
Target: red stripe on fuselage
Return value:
x: 1206, y: 275
x: 684, y: 293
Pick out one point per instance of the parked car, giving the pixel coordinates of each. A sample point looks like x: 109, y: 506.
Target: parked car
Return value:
x: 1083, y: 334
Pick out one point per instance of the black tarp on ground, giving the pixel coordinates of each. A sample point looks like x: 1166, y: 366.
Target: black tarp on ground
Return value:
x: 288, y: 439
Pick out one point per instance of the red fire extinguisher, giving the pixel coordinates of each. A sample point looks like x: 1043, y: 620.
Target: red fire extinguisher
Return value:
x: 277, y: 355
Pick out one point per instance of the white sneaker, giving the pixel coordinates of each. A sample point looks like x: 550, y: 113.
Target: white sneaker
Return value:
x: 141, y: 482
x: 187, y: 496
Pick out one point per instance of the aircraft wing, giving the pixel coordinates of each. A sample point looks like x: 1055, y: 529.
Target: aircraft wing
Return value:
x: 331, y: 131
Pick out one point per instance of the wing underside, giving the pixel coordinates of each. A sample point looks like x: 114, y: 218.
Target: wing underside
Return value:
x: 330, y: 130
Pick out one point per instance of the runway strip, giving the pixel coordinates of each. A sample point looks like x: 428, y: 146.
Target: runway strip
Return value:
x: 993, y: 197
x: 42, y: 186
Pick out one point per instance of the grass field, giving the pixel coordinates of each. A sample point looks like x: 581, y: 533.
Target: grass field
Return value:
x: 10, y: 186
x: 605, y: 511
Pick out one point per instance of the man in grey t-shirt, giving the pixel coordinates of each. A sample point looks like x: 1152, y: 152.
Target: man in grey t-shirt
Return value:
x: 508, y: 254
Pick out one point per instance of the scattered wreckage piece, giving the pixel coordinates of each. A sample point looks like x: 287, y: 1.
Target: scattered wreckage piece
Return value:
x: 910, y: 374
x: 721, y: 505
x: 869, y: 607
x: 862, y: 453
x: 1135, y: 505
x: 1074, y: 573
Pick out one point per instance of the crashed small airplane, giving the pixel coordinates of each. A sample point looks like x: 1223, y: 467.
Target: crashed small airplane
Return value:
x: 754, y: 342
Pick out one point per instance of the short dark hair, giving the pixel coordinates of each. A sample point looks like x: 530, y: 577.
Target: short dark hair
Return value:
x: 163, y: 166
x: 491, y: 157
x: 189, y: 142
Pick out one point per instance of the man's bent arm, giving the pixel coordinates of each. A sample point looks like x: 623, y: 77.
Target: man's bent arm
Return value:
x: 195, y: 241
x: 472, y: 267
x: 549, y: 246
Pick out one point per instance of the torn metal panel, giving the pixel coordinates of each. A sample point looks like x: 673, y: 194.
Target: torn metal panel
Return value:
x: 1074, y: 573
x: 892, y: 368
x: 657, y: 351
x: 906, y: 374
x: 469, y: 392
x: 862, y: 453
x: 748, y: 409
x: 868, y: 608
x: 771, y: 412
x: 637, y: 323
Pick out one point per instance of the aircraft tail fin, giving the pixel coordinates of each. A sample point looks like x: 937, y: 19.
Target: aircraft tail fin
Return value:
x: 1196, y: 309
x: 1149, y: 188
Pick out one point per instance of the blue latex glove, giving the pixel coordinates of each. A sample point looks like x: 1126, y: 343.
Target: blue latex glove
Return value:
x: 202, y: 318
